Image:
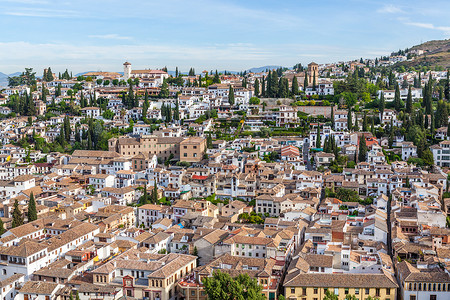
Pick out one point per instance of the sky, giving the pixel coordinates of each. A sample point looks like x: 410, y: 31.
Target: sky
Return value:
x: 100, y: 35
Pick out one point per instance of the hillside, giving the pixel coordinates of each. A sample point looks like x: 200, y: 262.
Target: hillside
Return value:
x: 437, y: 53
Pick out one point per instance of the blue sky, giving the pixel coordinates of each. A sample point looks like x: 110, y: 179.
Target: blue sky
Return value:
x: 208, y: 34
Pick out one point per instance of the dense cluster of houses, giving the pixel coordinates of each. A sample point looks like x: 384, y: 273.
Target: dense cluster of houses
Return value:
x: 132, y: 223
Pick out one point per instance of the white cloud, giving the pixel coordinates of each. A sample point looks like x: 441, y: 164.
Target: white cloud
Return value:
x: 27, y: 1
x: 42, y: 13
x: 111, y: 36
x: 445, y: 29
x: 390, y: 9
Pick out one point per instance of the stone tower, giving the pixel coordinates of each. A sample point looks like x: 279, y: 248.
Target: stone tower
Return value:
x: 126, y: 71
x: 313, y: 71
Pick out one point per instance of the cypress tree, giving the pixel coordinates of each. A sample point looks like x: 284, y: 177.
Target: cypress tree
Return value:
x: 89, y: 143
x: 432, y: 125
x: 318, y: 141
x: 146, y: 105
x: 17, y: 215
x: 216, y: 78
x: 447, y: 86
x: 176, y: 112
x: 32, y: 212
x: 364, y: 126
x: 77, y: 296
x: 332, y: 116
x: 231, y: 96
x: 372, y: 128
x: 2, y: 227
x: 155, y: 194
x: 362, y: 149
x: 382, y: 104
x: 49, y: 75
x: 326, y: 145
x: 397, y: 100
x: 429, y: 102
x: 314, y: 81
x: 256, y: 87
x: 294, y: 86
x: 409, y: 101
x: 349, y: 120
x: 144, y: 199
x: 305, y: 82
x: 273, y: 91
x: 263, y: 87
x: 356, y: 122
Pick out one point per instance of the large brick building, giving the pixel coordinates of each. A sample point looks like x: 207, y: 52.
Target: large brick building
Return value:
x: 179, y: 148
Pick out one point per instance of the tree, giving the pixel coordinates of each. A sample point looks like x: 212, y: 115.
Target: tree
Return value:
x: 254, y: 100
x: 164, y: 93
x: 305, y: 82
x: 48, y: 75
x: 77, y: 296
x: 427, y: 157
x: 144, y: 197
x: 349, y: 119
x: 330, y: 296
x: 382, y: 104
x: 231, y: 96
x: 447, y: 86
x: 294, y: 86
x: 221, y: 286
x: 314, y: 81
x: 32, y: 212
x: 365, y: 125
x: 17, y: 215
x: 441, y: 114
x: 409, y: 101
x: 108, y: 114
x: 332, y: 117
x: 155, y: 193
x: 397, y: 100
x: 362, y: 149
x: 2, y: 227
x: 318, y: 141
x: 176, y: 111
x: 216, y: 78
x: 256, y: 87
x: 146, y: 105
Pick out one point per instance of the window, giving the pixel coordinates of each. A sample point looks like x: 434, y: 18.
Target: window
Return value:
x: 304, y: 291
x: 377, y: 292
x: 316, y: 290
x: 433, y: 297
x: 292, y: 290
x: 388, y: 291
x: 336, y: 291
x: 185, y: 154
x: 356, y: 291
x: 367, y: 291
x: 412, y: 297
x: 346, y: 292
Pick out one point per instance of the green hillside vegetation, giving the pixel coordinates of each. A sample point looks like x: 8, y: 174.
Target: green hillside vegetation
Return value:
x: 436, y: 56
